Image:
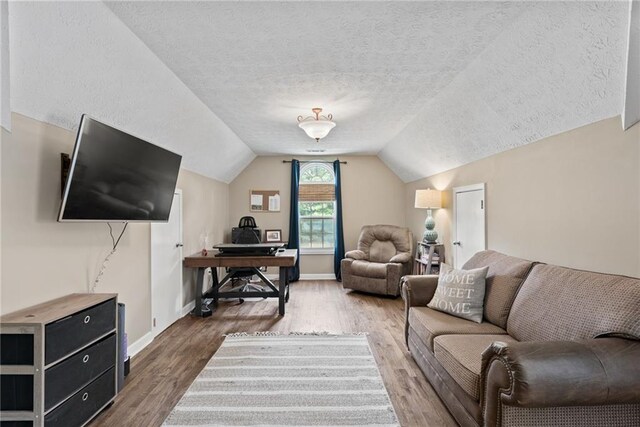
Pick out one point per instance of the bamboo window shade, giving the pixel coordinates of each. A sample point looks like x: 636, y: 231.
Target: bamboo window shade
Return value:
x: 316, y: 193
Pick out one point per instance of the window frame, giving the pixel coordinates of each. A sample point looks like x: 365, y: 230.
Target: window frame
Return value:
x: 309, y: 250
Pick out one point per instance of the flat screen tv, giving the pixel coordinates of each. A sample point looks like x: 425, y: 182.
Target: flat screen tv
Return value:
x: 116, y: 177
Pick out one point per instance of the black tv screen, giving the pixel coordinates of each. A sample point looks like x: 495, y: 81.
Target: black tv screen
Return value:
x: 116, y: 177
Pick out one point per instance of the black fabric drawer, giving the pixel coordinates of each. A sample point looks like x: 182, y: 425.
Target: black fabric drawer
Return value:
x: 80, y: 407
x: 71, y: 333
x: 67, y: 377
x: 16, y: 349
x: 16, y: 423
x: 16, y: 392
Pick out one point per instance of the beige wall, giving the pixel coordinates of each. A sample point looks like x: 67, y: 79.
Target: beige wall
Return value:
x: 205, y: 213
x: 572, y: 199
x: 43, y: 259
x: 371, y: 194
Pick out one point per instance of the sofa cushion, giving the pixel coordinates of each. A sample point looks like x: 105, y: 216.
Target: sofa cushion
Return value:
x: 368, y: 284
x: 382, y: 242
x: 374, y: 270
x: 460, y: 292
x: 506, y: 274
x: 461, y: 356
x: 562, y: 304
x: 381, y: 251
x: 429, y: 324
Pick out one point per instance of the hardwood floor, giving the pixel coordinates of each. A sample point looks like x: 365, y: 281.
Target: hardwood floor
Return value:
x: 163, y: 371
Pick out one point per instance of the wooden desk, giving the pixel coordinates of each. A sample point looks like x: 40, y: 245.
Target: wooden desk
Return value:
x: 283, y: 260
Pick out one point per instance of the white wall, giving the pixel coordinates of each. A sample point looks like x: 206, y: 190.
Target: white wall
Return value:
x: 5, y: 83
x: 205, y: 212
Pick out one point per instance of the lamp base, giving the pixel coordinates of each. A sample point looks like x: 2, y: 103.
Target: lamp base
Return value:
x: 430, y: 235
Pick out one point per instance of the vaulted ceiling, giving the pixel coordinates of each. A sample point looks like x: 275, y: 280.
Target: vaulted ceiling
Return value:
x: 427, y: 86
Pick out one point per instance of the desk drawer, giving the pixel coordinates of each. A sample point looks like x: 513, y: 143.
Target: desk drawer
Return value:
x: 71, y: 333
x: 70, y: 375
x: 80, y: 407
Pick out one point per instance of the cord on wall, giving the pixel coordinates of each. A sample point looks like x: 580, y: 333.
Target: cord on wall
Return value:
x: 103, y: 267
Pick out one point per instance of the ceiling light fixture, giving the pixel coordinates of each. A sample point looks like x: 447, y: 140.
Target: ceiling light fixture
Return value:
x: 316, y: 127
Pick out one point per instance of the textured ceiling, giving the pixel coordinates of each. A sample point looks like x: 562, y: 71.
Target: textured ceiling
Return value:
x: 428, y: 86
x: 69, y: 58
x: 557, y: 67
x: 372, y: 65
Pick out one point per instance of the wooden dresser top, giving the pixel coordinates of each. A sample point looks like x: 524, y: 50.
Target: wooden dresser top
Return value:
x: 56, y: 309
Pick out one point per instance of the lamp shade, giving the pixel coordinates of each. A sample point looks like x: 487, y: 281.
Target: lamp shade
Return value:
x: 317, y: 129
x: 428, y: 199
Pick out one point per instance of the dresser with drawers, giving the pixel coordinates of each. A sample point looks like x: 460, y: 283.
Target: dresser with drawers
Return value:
x: 58, y: 361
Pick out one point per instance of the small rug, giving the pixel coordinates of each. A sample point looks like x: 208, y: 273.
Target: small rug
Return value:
x: 267, y: 379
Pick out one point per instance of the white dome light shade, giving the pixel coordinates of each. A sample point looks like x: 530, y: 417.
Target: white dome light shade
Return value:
x: 316, y: 127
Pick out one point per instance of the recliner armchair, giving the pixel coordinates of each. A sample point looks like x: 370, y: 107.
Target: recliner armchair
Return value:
x: 383, y: 257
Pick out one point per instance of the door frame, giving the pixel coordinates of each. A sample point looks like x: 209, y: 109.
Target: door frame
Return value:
x: 154, y: 329
x: 465, y: 189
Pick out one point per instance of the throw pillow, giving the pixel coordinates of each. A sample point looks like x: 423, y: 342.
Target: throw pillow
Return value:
x: 460, y: 292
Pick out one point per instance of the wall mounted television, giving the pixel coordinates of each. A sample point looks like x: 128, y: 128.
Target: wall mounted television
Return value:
x: 117, y: 177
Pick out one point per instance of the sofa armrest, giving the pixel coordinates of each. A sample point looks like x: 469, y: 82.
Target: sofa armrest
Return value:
x: 394, y: 278
x: 416, y: 291
x: 356, y: 255
x: 401, y: 258
x: 600, y: 371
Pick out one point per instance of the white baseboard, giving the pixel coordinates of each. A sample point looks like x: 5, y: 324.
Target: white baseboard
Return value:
x: 146, y: 339
x: 140, y: 344
x: 187, y: 308
x: 319, y: 276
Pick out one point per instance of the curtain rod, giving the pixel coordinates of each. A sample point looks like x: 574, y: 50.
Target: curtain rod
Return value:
x: 315, y: 161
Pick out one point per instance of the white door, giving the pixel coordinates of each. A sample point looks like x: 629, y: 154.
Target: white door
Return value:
x: 469, y: 223
x: 166, y: 268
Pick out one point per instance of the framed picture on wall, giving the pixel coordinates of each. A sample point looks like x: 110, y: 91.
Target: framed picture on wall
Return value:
x: 272, y: 236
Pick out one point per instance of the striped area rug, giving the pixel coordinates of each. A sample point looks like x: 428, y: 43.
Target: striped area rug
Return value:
x: 287, y: 380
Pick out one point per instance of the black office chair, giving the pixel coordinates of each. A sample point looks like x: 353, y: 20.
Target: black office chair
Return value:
x: 247, y: 232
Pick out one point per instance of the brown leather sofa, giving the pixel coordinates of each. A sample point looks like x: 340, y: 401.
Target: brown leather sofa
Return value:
x: 383, y: 256
x: 557, y: 346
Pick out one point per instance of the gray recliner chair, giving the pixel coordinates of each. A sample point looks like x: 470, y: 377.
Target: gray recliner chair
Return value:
x: 383, y: 257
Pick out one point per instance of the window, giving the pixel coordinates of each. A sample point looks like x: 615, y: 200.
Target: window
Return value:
x: 316, y: 207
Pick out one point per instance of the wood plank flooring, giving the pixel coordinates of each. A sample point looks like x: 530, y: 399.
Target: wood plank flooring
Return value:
x: 162, y: 372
